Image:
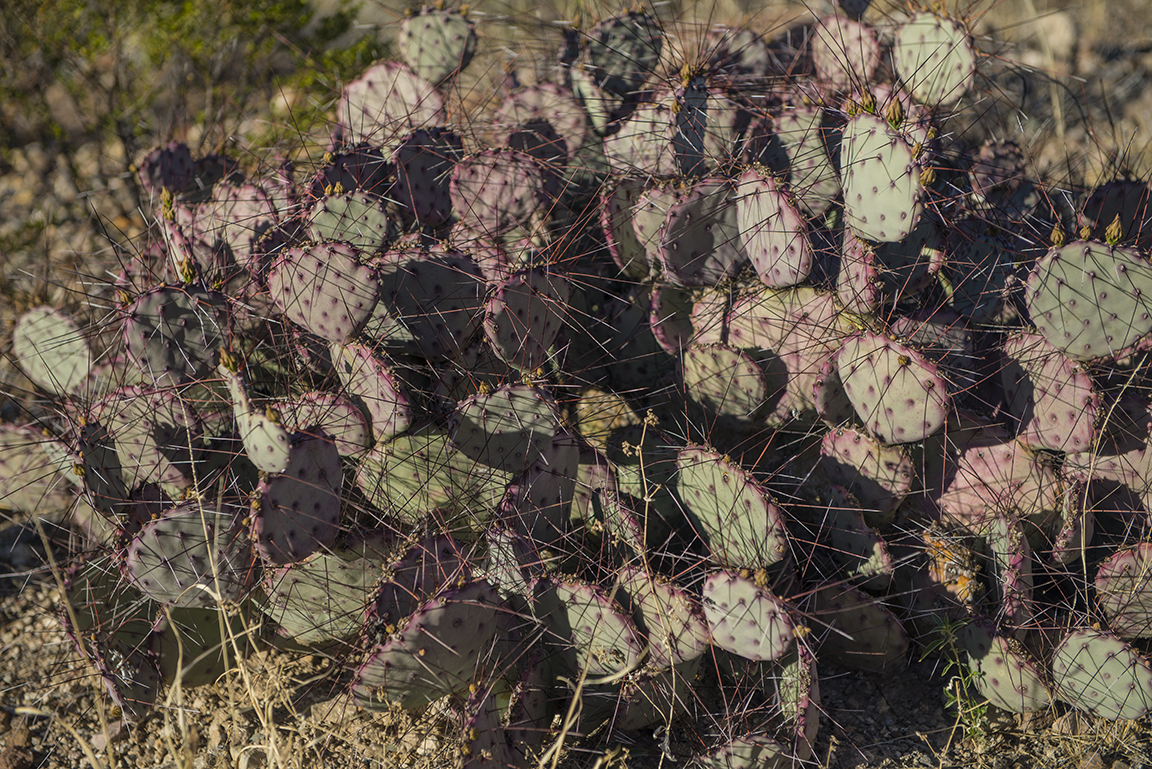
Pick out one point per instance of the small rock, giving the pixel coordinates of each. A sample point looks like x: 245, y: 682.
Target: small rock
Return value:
x: 1092, y: 761
x: 64, y: 109
x: 20, y: 736
x: 16, y: 758
x: 86, y: 160
x: 252, y: 757
x: 1060, y: 29
x: 1070, y: 724
x: 117, y: 730
x: 1118, y: 764
x: 63, y: 187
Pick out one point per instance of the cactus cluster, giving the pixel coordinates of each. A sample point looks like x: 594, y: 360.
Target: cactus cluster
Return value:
x: 695, y: 373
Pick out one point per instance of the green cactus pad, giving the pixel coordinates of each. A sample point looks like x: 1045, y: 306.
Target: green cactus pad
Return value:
x: 668, y: 615
x: 357, y: 218
x: 30, y: 479
x: 193, y: 555
x: 588, y: 630
x: 730, y: 384
x: 898, y: 394
x: 174, y: 333
x: 1072, y: 284
x: 436, y: 653
x: 754, y: 751
x: 746, y: 619
x: 810, y: 174
x: 883, y: 196
x: 730, y: 512
x: 51, y: 350
x: 1124, y: 590
x: 412, y: 476
x: 879, y: 476
x: 266, y: 441
x: 298, y: 510
x: 322, y: 599
x: 111, y: 624
x: 509, y: 428
x: 935, y: 58
x: 158, y: 437
x: 437, y: 43
x: 858, y: 631
x: 1097, y: 672
x: 845, y: 53
x: 1005, y: 672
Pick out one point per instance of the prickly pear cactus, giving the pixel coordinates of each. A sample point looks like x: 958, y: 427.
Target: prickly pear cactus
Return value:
x: 390, y: 410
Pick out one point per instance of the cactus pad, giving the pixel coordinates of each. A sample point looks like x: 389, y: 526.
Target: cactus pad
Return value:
x: 900, y: 396
x: 298, y: 510
x: 730, y: 512
x: 51, y: 350
x: 1071, y: 284
x: 746, y: 619
x: 434, y: 654
x: 325, y: 289
x: 191, y: 556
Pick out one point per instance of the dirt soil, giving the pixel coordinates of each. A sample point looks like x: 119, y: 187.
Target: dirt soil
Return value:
x: 1090, y: 119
